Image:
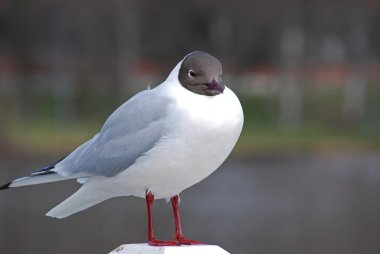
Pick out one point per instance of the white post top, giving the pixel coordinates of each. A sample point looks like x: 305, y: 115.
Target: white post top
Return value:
x: 143, y: 248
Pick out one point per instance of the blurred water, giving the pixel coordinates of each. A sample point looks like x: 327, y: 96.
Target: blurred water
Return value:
x: 290, y: 204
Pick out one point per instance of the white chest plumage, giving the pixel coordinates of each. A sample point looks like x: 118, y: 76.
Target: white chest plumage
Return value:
x: 204, y: 129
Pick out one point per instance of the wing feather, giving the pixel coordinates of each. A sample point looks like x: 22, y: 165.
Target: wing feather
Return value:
x: 131, y: 131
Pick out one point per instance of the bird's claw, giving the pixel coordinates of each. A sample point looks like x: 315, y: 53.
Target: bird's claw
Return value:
x: 177, y: 241
x: 155, y: 242
x: 186, y: 241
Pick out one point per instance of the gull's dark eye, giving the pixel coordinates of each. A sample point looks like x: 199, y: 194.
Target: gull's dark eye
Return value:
x: 192, y: 74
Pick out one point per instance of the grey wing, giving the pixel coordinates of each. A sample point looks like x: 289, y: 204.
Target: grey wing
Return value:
x: 132, y: 130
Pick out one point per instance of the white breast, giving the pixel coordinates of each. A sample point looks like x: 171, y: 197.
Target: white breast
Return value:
x: 204, y: 130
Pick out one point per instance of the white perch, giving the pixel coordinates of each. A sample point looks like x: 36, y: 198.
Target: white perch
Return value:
x: 143, y: 248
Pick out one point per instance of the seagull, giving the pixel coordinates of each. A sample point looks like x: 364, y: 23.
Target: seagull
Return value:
x: 155, y: 145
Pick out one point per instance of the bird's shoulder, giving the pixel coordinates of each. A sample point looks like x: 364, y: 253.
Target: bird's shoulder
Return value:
x: 140, y: 110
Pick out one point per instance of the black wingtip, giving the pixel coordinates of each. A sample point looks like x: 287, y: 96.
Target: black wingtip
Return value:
x: 5, y: 186
x: 47, y: 168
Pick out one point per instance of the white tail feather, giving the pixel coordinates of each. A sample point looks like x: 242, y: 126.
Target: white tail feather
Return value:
x: 84, y: 198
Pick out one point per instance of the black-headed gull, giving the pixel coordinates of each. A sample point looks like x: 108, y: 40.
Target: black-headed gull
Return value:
x: 158, y: 143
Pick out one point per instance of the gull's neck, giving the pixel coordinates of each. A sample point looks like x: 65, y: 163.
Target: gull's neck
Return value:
x: 173, y: 76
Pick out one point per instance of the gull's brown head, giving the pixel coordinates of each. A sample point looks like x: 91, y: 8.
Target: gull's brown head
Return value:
x: 201, y: 73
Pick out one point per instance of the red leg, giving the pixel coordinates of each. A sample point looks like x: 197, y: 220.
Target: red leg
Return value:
x: 178, y: 227
x: 151, y: 239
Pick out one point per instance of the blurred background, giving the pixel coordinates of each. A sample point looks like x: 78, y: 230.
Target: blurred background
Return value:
x: 305, y: 175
